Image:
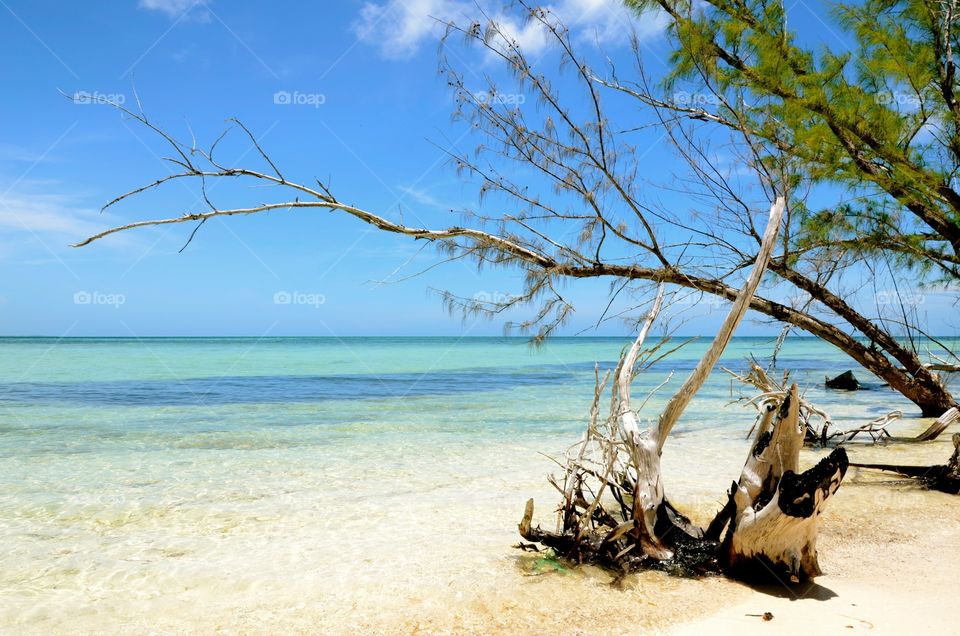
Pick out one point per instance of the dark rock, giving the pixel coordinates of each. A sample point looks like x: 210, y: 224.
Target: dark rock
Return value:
x: 846, y: 381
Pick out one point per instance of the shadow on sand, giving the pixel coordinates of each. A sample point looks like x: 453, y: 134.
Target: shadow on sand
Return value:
x: 797, y: 592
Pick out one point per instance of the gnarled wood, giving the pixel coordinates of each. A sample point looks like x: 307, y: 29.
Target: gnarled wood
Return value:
x: 876, y: 429
x: 648, y: 488
x: 699, y: 375
x: 775, y: 391
x: 775, y: 516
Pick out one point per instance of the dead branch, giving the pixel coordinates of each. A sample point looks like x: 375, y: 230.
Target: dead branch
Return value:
x: 815, y: 421
x: 939, y: 426
x: 945, y: 478
x: 682, y: 398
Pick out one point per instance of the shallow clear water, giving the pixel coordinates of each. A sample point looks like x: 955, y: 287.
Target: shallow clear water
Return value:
x: 197, y: 485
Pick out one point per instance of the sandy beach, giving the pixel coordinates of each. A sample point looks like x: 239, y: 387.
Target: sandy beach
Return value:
x: 479, y: 317
x: 890, y: 554
x: 889, y: 550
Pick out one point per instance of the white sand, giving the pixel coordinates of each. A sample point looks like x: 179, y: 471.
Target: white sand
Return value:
x: 890, y: 554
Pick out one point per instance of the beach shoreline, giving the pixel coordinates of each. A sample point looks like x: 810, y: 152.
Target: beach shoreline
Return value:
x: 303, y: 493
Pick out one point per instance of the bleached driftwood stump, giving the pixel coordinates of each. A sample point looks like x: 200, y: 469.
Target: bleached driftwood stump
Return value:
x: 776, y: 510
x: 615, y: 511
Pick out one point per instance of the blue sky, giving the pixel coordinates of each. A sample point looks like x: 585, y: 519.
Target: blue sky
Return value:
x: 370, y: 113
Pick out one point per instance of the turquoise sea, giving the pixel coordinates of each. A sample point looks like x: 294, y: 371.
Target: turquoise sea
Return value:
x: 168, y: 485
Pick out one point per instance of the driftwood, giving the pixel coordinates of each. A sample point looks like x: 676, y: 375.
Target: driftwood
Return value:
x: 876, y: 429
x: 615, y: 512
x: 943, y: 366
x: 938, y: 427
x: 945, y: 478
x: 946, y: 367
x: 776, y: 509
x: 816, y: 423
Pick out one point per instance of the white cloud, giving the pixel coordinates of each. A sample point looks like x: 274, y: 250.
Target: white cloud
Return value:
x: 424, y: 197
x: 176, y: 8
x: 400, y: 27
x: 610, y: 21
x: 40, y: 219
x: 48, y: 214
x: 13, y: 153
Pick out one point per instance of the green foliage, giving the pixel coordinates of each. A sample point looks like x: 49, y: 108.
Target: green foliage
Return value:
x: 546, y: 562
x: 877, y: 117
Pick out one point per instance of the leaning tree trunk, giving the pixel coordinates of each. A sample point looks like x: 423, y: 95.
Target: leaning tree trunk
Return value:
x: 920, y: 385
x: 915, y: 380
x: 615, y: 511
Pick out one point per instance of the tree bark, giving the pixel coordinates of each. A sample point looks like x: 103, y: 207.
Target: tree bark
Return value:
x: 944, y: 421
x: 924, y: 389
x: 916, y: 381
x: 772, y: 515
